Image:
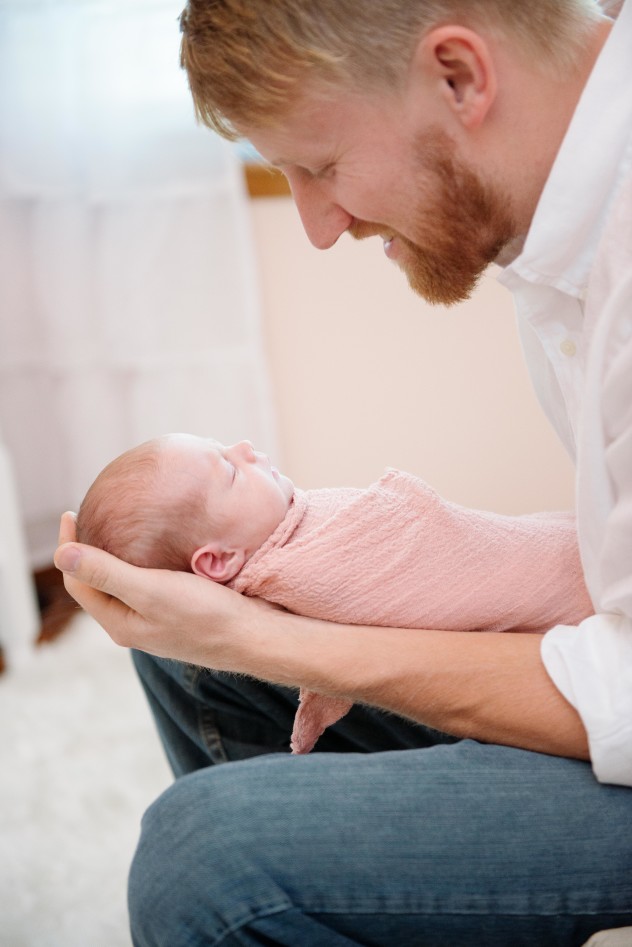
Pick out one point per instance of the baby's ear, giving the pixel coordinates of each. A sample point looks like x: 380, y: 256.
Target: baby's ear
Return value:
x: 213, y: 562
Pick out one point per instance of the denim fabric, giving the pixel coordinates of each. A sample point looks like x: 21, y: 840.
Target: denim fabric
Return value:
x: 388, y: 834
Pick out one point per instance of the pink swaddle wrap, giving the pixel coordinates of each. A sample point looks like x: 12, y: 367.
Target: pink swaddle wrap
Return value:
x: 398, y: 555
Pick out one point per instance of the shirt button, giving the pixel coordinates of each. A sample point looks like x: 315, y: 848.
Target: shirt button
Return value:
x: 568, y: 347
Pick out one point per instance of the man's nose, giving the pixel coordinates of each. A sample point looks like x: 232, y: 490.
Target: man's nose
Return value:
x: 323, y: 220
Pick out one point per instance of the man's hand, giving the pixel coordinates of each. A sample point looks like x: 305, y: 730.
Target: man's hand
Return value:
x: 170, y: 614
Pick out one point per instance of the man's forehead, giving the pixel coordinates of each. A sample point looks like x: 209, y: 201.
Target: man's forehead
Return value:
x: 320, y: 123
x: 311, y: 124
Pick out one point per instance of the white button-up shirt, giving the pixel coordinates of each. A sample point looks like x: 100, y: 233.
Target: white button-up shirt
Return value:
x: 572, y: 285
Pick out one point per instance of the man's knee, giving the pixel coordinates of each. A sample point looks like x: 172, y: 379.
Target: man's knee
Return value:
x: 192, y: 877
x: 164, y: 900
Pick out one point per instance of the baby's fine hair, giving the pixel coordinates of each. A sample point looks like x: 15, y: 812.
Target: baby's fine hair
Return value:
x: 245, y: 59
x: 132, y: 511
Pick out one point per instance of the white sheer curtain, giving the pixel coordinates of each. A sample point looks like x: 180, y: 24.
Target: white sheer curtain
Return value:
x: 128, y: 297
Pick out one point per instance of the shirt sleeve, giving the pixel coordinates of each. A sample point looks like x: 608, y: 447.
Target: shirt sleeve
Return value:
x: 591, y: 664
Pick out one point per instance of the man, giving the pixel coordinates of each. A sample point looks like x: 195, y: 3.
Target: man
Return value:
x: 461, y: 132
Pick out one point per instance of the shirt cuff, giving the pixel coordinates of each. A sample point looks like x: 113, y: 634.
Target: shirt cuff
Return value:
x: 591, y: 665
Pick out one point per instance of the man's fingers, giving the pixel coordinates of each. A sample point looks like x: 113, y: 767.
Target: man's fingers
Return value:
x: 88, y: 566
x: 144, y: 608
x: 109, y: 612
x: 67, y: 528
x: 101, y: 584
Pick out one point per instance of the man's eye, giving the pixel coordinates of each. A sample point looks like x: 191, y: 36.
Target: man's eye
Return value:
x: 318, y: 172
x: 326, y: 171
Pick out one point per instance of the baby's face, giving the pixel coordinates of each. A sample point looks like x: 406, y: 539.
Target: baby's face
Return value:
x: 247, y: 496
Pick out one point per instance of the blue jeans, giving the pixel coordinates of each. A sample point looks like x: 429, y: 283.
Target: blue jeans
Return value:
x: 388, y: 834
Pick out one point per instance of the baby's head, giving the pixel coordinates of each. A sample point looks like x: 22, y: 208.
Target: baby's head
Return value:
x: 185, y: 503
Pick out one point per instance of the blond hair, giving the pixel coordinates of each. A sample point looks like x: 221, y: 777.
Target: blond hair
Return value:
x: 245, y: 58
x: 132, y: 511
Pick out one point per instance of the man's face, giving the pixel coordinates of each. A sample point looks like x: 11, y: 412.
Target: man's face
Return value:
x: 358, y: 165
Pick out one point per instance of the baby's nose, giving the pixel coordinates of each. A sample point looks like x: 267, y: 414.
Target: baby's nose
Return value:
x: 244, y: 449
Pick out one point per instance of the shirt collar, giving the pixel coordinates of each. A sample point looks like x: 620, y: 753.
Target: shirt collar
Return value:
x: 595, y: 155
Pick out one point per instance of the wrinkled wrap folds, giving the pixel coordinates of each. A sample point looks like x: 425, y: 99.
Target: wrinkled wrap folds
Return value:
x: 396, y: 554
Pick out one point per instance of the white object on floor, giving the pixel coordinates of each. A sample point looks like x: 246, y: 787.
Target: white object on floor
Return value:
x: 617, y: 937
x: 19, y: 617
x: 80, y: 761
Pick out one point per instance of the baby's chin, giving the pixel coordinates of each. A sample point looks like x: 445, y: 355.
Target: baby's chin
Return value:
x: 286, y: 485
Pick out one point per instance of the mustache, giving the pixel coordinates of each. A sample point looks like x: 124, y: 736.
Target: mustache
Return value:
x: 363, y: 229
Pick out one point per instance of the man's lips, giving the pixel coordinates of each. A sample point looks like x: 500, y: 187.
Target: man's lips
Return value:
x: 362, y: 230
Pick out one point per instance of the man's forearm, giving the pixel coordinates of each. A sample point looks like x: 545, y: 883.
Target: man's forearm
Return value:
x: 489, y: 687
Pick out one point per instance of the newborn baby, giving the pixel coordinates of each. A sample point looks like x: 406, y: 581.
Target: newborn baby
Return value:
x: 395, y: 554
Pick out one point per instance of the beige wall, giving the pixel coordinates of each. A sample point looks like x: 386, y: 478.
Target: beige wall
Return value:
x: 366, y: 376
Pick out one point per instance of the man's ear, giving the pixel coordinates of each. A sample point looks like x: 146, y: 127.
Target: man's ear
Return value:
x: 213, y: 562
x: 460, y: 62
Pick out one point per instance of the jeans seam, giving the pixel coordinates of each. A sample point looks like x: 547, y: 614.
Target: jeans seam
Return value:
x: 206, y: 720
x: 270, y: 911
x: 211, y: 737
x: 249, y: 918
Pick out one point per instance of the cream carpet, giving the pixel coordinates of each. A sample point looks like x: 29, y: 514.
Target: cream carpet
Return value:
x: 79, y: 763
